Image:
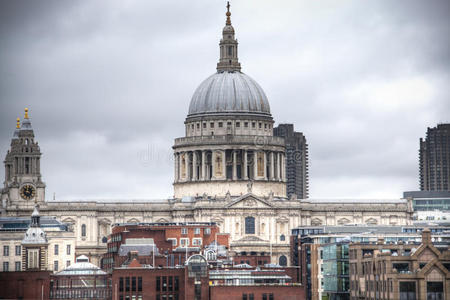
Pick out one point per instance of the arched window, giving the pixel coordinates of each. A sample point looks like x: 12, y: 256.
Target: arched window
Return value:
x: 83, y: 230
x: 283, y: 261
x: 249, y: 225
x: 282, y: 237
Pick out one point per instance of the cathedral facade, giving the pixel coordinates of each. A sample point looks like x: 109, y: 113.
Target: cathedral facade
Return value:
x: 228, y: 169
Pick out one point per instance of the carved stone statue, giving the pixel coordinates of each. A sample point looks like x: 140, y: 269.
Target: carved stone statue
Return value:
x: 249, y: 186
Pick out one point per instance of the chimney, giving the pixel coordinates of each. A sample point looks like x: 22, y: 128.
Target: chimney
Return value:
x: 426, y: 236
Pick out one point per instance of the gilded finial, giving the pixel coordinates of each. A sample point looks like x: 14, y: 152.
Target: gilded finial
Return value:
x: 26, y: 113
x: 228, y: 14
x: 18, y: 123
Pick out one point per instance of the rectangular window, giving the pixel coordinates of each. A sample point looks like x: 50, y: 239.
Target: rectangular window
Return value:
x: 238, y: 124
x: 18, y: 266
x: 184, y: 242
x: 270, y: 296
x: 198, y: 125
x: 207, y: 231
x: 170, y: 286
x: 68, y: 250
x: 265, y: 126
x: 67, y: 263
x: 56, y: 249
x: 244, y: 297
x: 18, y: 250
x: 251, y: 297
x: 211, y: 125
x: 245, y: 124
x: 127, y: 284
x: 220, y: 124
x: 184, y: 230
x: 228, y: 123
x: 176, y: 284
x: 230, y: 50
x: 133, y: 284
x: 264, y: 296
x: 204, y: 125
x: 164, y: 284
x: 5, y: 250
x: 253, y: 124
x: 197, y: 241
x: 197, y: 231
x: 5, y: 266
x: 260, y: 125
x: 55, y: 265
x: 173, y: 241
x: 158, y: 283
x: 139, y: 284
x: 121, y: 284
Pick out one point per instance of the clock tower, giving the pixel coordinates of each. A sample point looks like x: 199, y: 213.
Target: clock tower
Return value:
x: 23, y: 187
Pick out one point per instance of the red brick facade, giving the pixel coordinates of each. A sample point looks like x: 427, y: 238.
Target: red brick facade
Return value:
x: 31, y: 285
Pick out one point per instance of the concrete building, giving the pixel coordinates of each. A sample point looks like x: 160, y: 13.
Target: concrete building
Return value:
x: 229, y: 169
x: 434, y: 159
x: 429, y: 200
x: 400, y: 271
x: 58, y: 244
x: 297, y: 176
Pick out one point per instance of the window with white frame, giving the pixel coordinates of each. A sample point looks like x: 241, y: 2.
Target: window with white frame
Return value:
x: 184, y: 230
x: 173, y: 240
x: 18, y: 266
x: 197, y: 231
x: 33, y: 259
x: 18, y: 250
x: 5, y: 250
x: 5, y: 266
x: 68, y: 250
x: 184, y: 242
x: 207, y: 231
x: 197, y: 241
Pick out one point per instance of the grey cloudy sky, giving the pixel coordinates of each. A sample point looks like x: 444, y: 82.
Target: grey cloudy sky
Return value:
x: 108, y: 84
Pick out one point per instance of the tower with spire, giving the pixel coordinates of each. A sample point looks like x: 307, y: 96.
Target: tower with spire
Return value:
x: 23, y: 186
x: 228, y: 61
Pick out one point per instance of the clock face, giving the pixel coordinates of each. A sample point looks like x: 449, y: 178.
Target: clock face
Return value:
x: 27, y: 192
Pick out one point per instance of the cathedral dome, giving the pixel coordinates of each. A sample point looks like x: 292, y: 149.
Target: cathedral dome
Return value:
x: 229, y: 92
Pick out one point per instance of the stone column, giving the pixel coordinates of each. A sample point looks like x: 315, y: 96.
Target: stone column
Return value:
x: 265, y: 165
x: 245, y: 165
x: 188, y: 171
x: 175, y: 155
x: 224, y: 164
x: 283, y: 167
x: 213, y: 164
x: 255, y: 164
x: 271, y: 166
x: 234, y: 164
x: 278, y: 166
x: 180, y: 166
x: 194, y: 166
x: 203, y: 165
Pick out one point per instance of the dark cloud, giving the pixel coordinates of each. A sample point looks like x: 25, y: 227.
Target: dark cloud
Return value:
x: 109, y: 83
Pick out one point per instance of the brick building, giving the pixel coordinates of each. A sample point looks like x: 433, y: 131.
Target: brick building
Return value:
x: 322, y: 256
x: 159, y: 244
x: 198, y: 281
x: 400, y: 271
x: 32, y: 285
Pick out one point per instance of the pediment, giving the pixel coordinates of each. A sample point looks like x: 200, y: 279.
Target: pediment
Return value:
x: 249, y: 201
x: 250, y: 238
x: 69, y: 220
